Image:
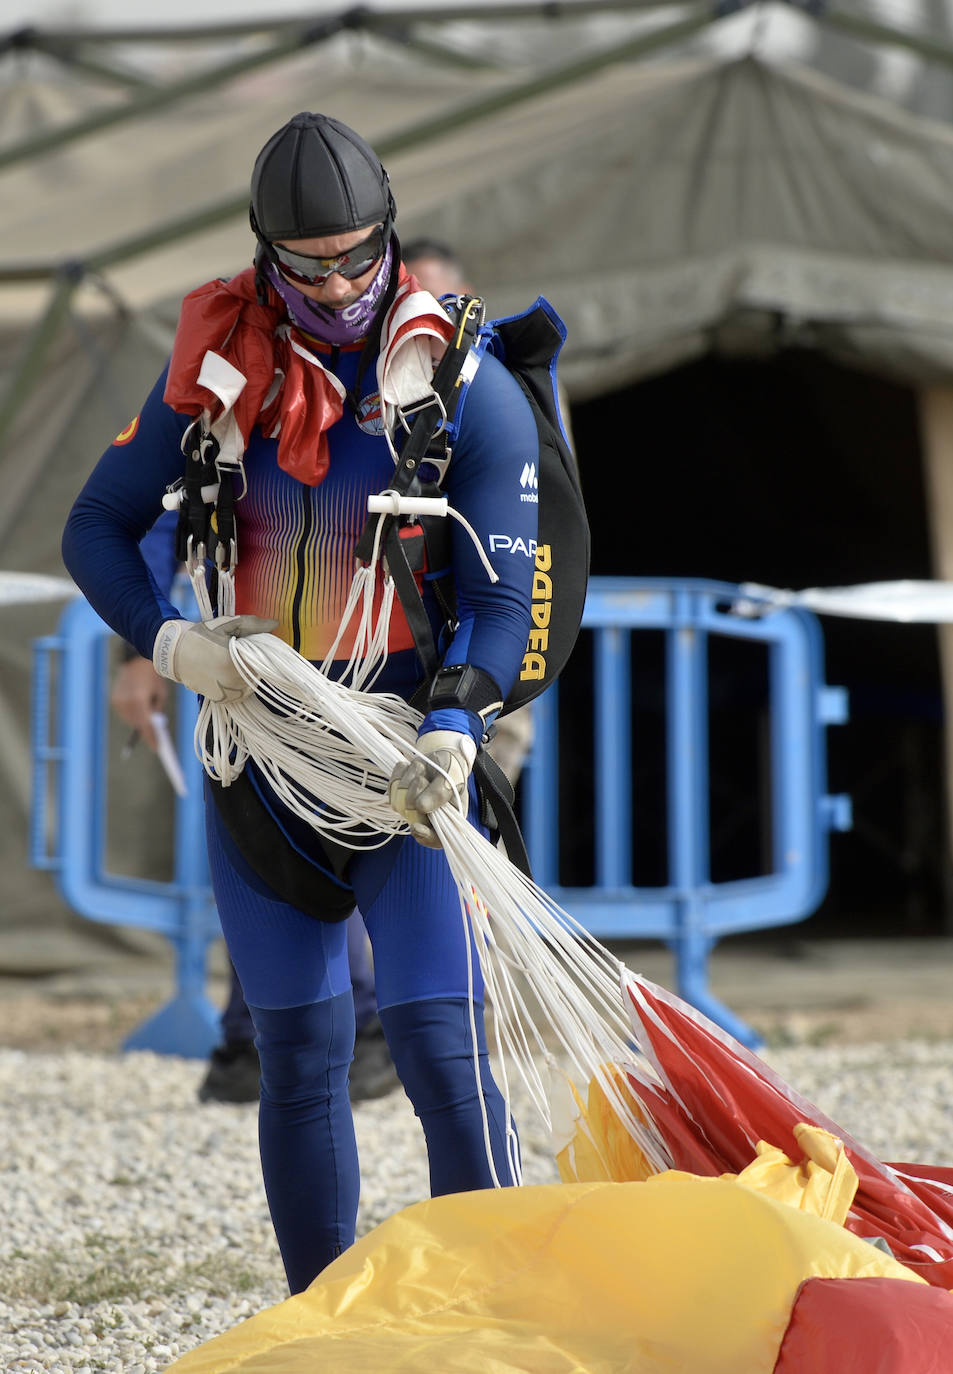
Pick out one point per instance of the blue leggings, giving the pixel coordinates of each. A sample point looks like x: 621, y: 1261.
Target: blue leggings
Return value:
x: 294, y: 970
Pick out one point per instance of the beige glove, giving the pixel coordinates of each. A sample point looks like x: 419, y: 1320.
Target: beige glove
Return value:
x: 195, y: 653
x: 417, y: 788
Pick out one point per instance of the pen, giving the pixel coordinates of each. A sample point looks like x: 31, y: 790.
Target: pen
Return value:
x: 129, y: 745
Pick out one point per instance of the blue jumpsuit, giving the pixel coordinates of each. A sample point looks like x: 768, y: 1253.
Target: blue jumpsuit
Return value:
x: 296, y: 546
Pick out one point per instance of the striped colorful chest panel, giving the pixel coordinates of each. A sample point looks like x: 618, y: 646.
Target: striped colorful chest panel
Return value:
x: 296, y: 549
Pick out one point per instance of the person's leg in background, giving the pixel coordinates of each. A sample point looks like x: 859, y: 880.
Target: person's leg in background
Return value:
x: 232, y: 1074
x: 511, y: 741
x: 233, y: 1071
x: 372, y: 1071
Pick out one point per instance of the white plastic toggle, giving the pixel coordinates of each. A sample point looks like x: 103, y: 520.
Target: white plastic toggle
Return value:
x: 172, y: 500
x: 392, y: 503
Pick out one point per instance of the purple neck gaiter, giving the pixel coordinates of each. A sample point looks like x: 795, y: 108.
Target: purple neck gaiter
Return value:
x: 338, y: 327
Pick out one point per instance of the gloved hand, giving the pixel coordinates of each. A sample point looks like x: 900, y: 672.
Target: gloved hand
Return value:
x: 417, y: 788
x: 195, y: 653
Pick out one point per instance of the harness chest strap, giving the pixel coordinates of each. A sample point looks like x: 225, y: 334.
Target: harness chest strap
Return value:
x: 215, y: 447
x: 428, y: 421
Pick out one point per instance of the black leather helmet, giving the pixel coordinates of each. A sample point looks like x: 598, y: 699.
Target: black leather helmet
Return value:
x: 316, y: 177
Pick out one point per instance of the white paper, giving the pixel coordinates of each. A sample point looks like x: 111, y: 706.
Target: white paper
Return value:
x: 167, y: 755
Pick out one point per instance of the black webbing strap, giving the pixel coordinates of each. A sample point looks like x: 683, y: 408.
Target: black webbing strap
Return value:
x: 496, y: 797
x: 405, y: 584
x: 222, y: 536
x: 426, y: 429
x: 201, y: 450
x: 426, y: 434
x: 323, y: 894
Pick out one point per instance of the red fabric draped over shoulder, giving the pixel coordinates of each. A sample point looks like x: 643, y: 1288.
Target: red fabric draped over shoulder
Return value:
x: 227, y: 318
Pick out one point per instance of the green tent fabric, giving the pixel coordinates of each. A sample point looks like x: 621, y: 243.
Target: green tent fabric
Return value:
x: 706, y: 197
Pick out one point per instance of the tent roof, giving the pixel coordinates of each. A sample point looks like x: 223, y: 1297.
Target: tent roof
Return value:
x: 654, y: 202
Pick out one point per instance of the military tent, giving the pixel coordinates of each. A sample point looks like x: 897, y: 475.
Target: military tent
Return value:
x: 739, y: 210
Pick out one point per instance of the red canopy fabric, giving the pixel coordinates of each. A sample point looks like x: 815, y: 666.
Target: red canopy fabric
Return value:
x: 718, y: 1099
x: 878, y: 1325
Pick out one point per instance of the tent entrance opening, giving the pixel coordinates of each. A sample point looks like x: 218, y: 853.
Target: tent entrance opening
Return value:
x: 793, y: 472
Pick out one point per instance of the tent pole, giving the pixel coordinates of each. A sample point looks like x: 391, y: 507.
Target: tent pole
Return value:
x: 699, y: 16
x: 29, y: 364
x: 154, y: 98
x: 74, y: 54
x: 555, y: 11
x: 867, y: 30
x: 295, y: 39
x: 31, y: 360
x: 936, y: 427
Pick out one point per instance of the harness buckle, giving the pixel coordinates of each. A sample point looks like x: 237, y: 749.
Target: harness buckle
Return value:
x: 416, y: 408
x: 441, y: 464
x: 195, y: 554
x: 232, y: 563
x: 232, y: 465
x: 205, y: 450
x: 174, y: 494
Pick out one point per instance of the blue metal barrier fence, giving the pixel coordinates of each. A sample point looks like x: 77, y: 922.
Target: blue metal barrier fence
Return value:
x: 689, y: 913
x: 69, y: 827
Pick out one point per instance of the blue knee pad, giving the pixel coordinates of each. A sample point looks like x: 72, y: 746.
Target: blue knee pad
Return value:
x: 306, y: 1132
x: 432, y: 1046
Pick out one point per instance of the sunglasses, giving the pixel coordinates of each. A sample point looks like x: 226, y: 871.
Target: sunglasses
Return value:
x: 309, y: 271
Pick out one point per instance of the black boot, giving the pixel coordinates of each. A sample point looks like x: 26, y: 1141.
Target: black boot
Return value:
x: 372, y: 1072
x: 232, y: 1073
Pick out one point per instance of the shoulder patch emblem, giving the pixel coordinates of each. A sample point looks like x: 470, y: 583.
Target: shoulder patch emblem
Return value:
x: 128, y: 433
x: 369, y: 414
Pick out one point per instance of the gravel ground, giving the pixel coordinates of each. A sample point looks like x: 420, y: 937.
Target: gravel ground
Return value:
x: 134, y: 1222
x: 135, y: 1226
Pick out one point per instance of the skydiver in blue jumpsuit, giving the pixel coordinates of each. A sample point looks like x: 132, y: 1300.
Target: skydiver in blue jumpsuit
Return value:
x: 326, y: 258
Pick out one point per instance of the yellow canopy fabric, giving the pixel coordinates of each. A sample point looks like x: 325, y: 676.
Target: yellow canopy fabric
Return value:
x: 823, y: 1182
x: 673, y: 1275
x: 600, y: 1149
